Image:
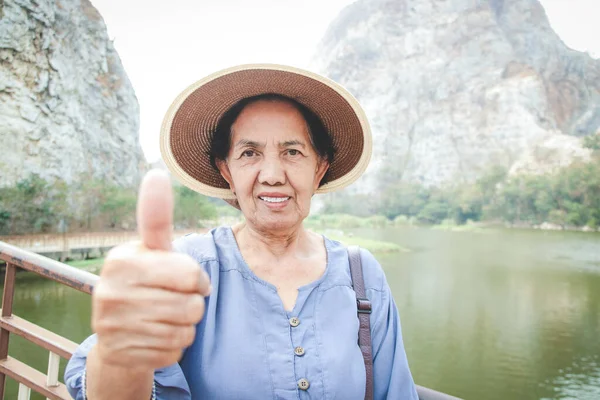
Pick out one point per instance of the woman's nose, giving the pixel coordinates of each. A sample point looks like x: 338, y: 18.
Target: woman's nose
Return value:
x: 272, y: 172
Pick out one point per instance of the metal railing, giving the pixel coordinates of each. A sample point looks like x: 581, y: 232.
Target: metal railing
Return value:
x: 58, y: 346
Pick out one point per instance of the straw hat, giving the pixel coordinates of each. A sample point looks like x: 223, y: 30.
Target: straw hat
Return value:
x: 192, y: 118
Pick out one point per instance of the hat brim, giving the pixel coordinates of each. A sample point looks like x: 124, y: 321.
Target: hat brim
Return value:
x: 192, y: 118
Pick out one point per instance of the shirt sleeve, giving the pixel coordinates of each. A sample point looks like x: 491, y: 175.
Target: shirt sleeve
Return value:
x: 391, y: 375
x: 169, y: 382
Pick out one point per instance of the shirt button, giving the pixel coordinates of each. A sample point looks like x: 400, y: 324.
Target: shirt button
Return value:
x: 294, y: 321
x: 299, y: 351
x: 303, y: 384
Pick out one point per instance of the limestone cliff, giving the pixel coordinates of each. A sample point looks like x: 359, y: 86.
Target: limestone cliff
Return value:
x: 67, y: 107
x: 453, y: 87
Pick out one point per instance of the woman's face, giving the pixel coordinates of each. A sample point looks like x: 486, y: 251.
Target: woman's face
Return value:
x: 272, y: 167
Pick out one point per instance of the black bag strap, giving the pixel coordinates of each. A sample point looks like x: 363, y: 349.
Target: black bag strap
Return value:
x: 363, y: 306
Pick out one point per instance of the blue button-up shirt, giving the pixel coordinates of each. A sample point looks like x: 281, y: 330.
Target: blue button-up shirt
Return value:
x: 245, y: 344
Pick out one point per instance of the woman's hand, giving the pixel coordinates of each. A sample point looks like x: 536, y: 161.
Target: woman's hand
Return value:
x: 149, y: 298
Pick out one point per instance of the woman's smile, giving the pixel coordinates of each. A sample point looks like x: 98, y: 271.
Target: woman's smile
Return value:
x: 274, y: 201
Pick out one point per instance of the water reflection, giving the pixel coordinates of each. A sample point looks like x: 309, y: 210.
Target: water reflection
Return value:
x: 579, y: 381
x: 500, y: 314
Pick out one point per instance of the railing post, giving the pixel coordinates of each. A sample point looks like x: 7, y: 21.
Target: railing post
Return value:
x: 53, y: 364
x: 7, y: 303
x: 24, y: 392
x: 64, y: 248
x: 52, y: 376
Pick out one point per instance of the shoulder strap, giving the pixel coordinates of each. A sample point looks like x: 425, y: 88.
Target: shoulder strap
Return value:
x: 364, y: 314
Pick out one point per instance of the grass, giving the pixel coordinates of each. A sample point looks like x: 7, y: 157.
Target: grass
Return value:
x: 374, y: 246
x: 345, y: 221
x: 92, y: 263
x: 450, y: 225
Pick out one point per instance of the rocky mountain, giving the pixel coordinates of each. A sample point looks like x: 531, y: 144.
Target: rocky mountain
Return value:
x: 67, y: 107
x: 453, y: 87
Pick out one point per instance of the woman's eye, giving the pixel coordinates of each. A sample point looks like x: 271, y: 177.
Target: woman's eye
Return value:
x: 248, y: 153
x: 293, y: 152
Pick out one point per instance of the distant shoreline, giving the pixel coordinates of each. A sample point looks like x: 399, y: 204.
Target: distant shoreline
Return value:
x: 546, y: 226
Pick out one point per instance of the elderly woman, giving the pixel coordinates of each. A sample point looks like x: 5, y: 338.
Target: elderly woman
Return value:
x: 263, y: 309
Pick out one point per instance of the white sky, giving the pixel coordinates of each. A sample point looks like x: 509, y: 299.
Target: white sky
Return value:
x: 167, y: 45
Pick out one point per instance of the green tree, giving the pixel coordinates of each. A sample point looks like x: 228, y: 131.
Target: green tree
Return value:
x: 88, y: 195
x: 468, y: 204
x: 434, y: 213
x: 191, y: 208
x: 402, y: 199
x: 592, y: 142
x: 361, y: 205
x: 488, y: 183
x: 31, y: 206
x: 118, y: 207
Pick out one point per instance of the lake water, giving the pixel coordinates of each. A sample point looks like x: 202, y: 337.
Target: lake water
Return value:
x: 494, y: 315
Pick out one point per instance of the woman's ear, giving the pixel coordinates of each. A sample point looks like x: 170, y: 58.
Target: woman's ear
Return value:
x: 225, y: 173
x: 322, y: 167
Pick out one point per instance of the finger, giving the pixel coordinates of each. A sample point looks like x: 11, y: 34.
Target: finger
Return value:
x: 155, y: 210
x: 174, y: 271
x: 158, y: 269
x: 115, y: 310
x: 153, y: 335
x: 188, y: 311
x: 139, y: 356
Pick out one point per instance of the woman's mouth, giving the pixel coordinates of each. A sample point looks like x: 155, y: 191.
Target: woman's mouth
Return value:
x: 275, y: 202
x: 273, y: 199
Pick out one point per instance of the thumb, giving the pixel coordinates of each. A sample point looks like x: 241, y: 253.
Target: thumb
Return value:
x: 155, y: 210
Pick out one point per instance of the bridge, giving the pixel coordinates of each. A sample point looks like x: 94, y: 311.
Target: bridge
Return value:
x: 62, y: 246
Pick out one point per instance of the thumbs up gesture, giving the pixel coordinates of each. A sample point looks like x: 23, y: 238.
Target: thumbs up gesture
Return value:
x: 149, y: 298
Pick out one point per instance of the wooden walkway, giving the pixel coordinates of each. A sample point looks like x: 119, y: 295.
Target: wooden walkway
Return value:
x: 63, y: 245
